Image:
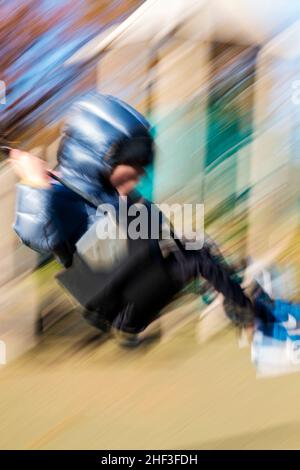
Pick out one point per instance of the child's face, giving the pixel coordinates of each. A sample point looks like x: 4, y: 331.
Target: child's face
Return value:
x: 125, y: 177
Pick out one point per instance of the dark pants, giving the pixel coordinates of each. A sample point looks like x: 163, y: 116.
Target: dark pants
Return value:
x: 152, y: 289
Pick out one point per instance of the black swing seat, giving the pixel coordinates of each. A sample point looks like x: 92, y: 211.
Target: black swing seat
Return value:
x: 141, y: 279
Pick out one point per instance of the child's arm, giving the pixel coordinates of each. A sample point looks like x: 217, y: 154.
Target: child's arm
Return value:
x: 37, y: 222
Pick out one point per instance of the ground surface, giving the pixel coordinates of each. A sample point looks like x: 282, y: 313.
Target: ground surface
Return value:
x: 75, y: 390
x: 72, y: 391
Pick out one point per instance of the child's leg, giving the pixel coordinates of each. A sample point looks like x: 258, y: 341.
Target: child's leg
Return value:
x: 220, y: 276
x: 206, y: 289
x: 240, y: 309
x: 215, y: 270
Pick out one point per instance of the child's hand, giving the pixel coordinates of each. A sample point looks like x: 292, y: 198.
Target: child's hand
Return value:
x: 30, y: 169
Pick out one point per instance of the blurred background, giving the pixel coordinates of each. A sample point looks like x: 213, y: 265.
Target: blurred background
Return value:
x: 220, y: 82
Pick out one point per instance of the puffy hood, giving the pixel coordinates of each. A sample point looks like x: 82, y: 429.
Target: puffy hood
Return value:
x: 100, y: 132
